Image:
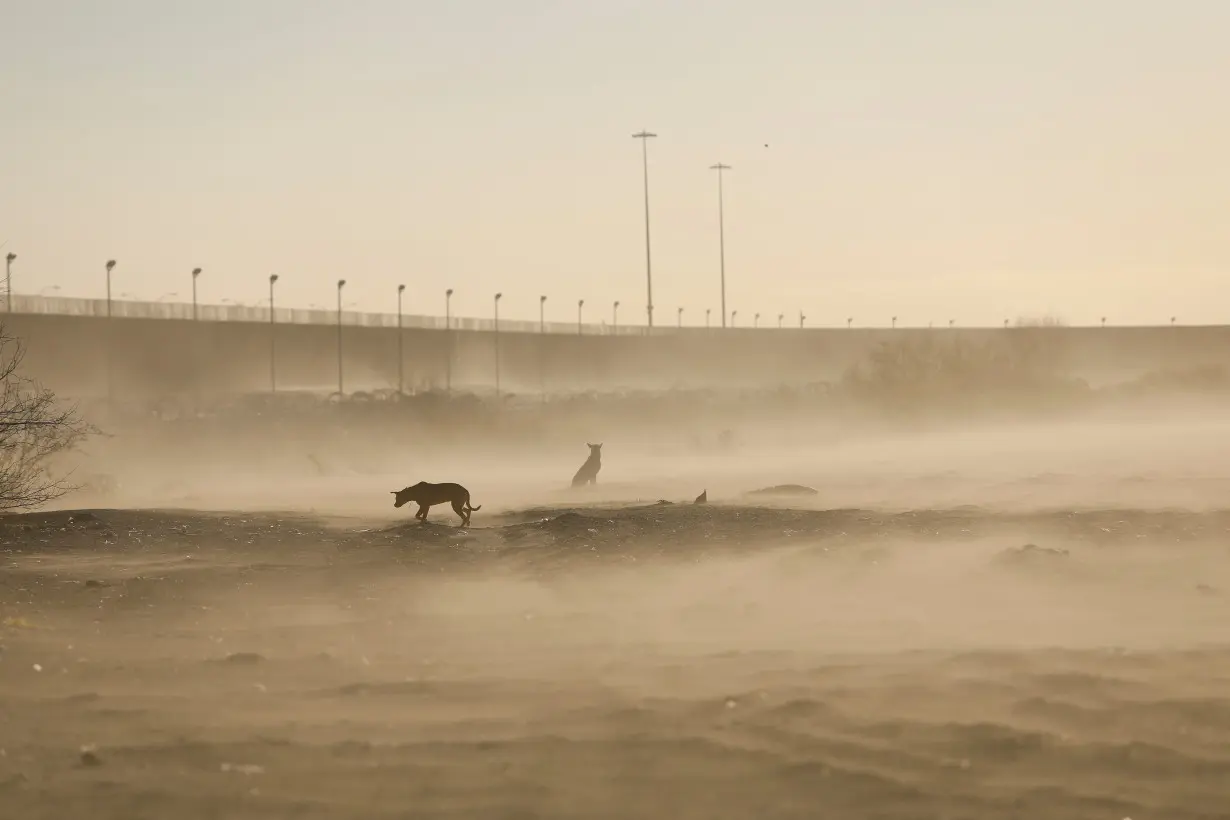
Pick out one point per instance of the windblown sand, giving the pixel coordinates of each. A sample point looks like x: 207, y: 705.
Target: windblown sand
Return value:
x: 943, y: 632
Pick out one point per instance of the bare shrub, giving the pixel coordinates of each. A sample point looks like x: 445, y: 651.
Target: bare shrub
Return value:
x: 1040, y: 321
x: 34, y: 428
x: 1021, y: 365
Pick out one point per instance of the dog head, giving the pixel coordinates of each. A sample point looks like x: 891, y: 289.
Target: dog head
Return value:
x: 404, y: 495
x: 595, y: 450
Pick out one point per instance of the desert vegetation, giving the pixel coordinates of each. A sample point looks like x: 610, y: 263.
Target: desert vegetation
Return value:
x: 35, y: 428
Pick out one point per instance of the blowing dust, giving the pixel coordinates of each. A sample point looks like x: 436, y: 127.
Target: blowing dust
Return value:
x: 1009, y: 620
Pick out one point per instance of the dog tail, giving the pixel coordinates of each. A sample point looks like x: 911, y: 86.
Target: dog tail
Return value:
x: 473, y: 509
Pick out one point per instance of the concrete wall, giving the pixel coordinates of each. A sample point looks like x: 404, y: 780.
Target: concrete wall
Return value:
x: 158, y: 349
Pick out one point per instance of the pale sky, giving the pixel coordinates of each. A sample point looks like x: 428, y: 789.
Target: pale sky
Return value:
x: 930, y: 159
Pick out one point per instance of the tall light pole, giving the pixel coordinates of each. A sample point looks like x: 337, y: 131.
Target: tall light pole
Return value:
x: 615, y: 317
x: 849, y: 323
x: 401, y: 347
x: 448, y: 341
x: 110, y: 265
x: 780, y: 317
x: 8, y: 281
x: 707, y: 312
x: 580, y: 307
x: 498, y: 296
x: 894, y: 323
x: 110, y: 332
x: 644, y: 137
x: 802, y: 319
x: 542, y: 347
x: 195, y: 273
x: 273, y: 335
x: 756, y: 320
x: 721, y: 234
x: 341, y: 283
x: 733, y: 314
x: 680, y: 319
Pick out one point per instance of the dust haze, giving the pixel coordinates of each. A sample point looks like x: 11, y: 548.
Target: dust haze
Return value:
x: 1006, y: 597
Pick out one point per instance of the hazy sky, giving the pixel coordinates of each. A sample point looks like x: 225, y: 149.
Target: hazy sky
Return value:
x: 932, y: 159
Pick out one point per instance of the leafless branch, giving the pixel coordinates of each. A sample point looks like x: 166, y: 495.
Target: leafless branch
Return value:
x: 34, y: 428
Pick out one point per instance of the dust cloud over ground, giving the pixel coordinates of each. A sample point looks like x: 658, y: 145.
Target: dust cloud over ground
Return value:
x: 990, y: 619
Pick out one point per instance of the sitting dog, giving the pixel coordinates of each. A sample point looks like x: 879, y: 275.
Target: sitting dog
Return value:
x: 428, y: 495
x: 588, y: 474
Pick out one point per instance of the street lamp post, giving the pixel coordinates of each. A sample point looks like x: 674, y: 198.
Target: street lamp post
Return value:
x: 195, y: 273
x: 273, y: 336
x: 679, y: 318
x: 894, y: 323
x: 110, y: 265
x: 615, y: 317
x: 542, y: 347
x: 802, y: 319
x: 756, y: 320
x: 849, y: 323
x: 448, y: 341
x: 733, y: 315
x: 401, y: 347
x: 721, y: 234
x: 341, y: 283
x: 780, y: 318
x: 580, y: 306
x: 644, y: 136
x: 498, y: 296
x: 707, y: 312
x: 8, y: 281
x: 110, y: 334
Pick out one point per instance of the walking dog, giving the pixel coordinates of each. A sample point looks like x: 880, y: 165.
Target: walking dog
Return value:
x: 428, y: 495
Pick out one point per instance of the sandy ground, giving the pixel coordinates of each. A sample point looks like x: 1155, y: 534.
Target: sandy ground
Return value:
x: 890, y: 648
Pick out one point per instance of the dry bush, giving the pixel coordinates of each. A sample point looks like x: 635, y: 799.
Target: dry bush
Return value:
x: 1022, y: 366
x: 1198, y: 379
x: 1039, y: 321
x: 34, y: 429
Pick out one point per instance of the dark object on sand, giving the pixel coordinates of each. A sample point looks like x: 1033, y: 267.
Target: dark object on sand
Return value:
x: 588, y: 474
x: 1029, y: 555
x: 785, y: 490
x: 703, y: 498
x: 427, y: 495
